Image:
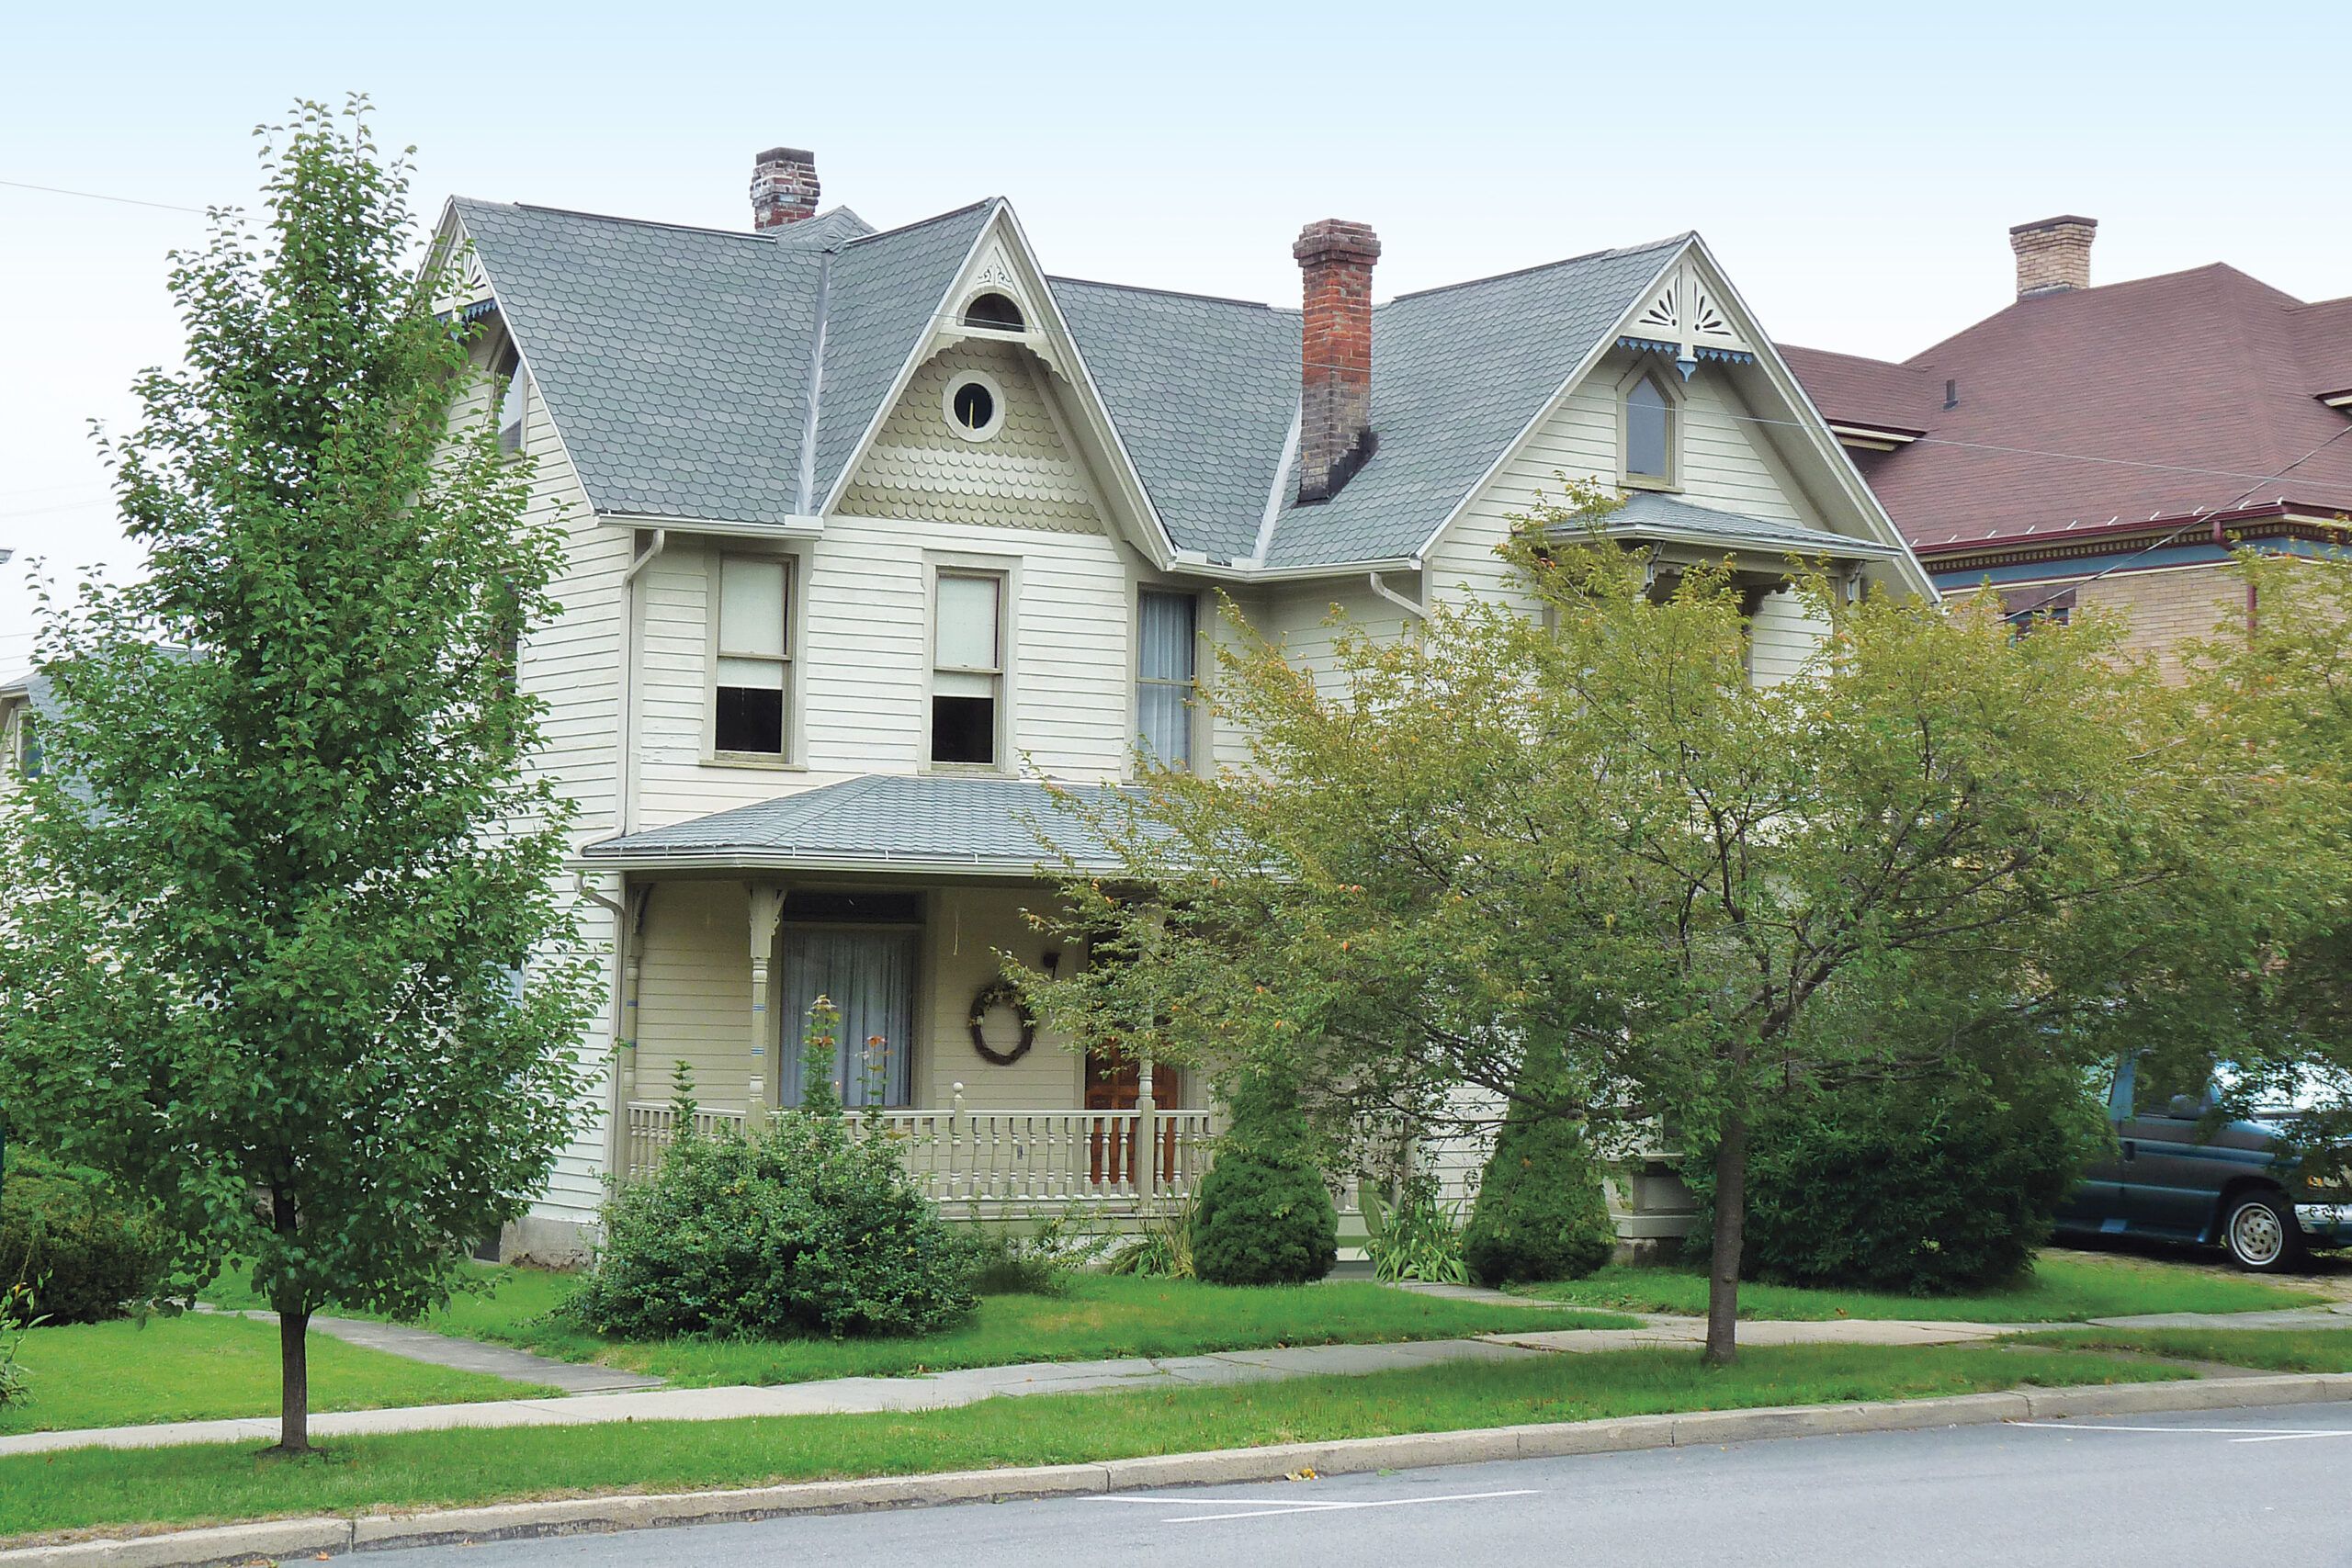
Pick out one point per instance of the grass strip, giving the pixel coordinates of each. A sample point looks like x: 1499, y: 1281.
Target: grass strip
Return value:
x: 2063, y: 1288
x: 183, y: 1486
x: 1097, y: 1317
x: 204, y: 1366
x: 2261, y: 1350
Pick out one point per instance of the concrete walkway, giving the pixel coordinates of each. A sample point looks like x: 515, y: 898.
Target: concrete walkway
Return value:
x: 936, y: 1391
x: 468, y: 1355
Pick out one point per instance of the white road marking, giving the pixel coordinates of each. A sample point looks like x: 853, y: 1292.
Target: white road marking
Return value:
x: 2236, y: 1434
x: 1269, y: 1507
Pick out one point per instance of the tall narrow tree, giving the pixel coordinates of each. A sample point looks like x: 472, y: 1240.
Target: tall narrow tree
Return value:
x: 283, y: 948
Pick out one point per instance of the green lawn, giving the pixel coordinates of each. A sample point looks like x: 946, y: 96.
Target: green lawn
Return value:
x: 1100, y: 1316
x: 2267, y: 1350
x: 86, y: 1487
x: 202, y: 1366
x: 2063, y: 1288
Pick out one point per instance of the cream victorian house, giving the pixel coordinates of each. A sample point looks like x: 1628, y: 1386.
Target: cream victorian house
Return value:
x: 870, y: 530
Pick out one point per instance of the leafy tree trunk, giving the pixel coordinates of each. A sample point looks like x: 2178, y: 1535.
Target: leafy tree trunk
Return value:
x: 293, y: 1383
x: 1731, y: 1226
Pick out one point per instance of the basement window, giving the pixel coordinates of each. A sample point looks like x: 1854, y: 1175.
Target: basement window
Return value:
x: 751, y: 657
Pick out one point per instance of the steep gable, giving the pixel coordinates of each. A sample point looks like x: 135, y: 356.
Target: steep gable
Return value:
x: 1024, y: 477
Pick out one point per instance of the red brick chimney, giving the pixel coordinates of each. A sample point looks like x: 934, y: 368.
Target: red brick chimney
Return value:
x: 1335, y: 351
x: 2053, y: 254
x: 784, y: 187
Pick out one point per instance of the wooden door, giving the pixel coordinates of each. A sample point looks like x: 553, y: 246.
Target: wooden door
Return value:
x: 1114, y: 1083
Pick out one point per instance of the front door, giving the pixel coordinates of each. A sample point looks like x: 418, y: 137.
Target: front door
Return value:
x: 1114, y: 1083
x: 869, y: 972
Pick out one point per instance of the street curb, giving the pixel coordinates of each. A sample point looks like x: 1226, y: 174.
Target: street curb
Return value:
x: 310, y: 1536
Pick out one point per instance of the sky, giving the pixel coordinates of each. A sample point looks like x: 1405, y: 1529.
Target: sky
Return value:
x: 1854, y: 168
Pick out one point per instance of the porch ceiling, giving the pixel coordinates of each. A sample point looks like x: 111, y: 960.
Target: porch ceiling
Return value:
x: 943, y: 824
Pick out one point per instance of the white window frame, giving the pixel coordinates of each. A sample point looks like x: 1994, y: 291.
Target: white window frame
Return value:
x: 1646, y: 370
x: 957, y: 382
x: 1195, y: 728
x: 1006, y: 573
x: 515, y: 382
x: 715, y: 569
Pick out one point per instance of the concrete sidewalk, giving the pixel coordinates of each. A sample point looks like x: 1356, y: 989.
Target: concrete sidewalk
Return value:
x: 468, y: 1355
x: 936, y: 1391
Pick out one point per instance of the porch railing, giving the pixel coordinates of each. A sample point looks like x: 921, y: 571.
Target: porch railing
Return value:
x: 999, y: 1160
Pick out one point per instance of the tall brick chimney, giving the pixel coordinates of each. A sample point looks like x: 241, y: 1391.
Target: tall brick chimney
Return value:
x: 784, y: 187
x: 2053, y: 254
x: 1335, y: 353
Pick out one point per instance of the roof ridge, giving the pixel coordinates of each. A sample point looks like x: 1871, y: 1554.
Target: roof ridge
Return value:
x: 926, y: 222
x: 614, y: 218
x: 1172, y: 293
x: 1683, y: 238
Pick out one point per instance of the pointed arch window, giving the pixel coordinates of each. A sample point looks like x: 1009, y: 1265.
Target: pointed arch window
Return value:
x: 1650, y: 418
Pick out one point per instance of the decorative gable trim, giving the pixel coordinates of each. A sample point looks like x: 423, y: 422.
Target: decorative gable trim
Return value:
x: 1001, y: 259
x: 1685, y: 317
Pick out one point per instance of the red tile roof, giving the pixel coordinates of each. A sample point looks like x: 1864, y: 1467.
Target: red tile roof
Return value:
x: 2159, y: 397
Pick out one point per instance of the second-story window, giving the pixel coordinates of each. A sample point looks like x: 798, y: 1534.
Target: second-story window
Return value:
x: 1649, y: 432
x: 1165, y: 632
x: 754, y: 656
x: 513, y: 394
x: 967, y: 667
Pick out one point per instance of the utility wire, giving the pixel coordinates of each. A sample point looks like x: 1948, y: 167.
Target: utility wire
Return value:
x: 99, y: 196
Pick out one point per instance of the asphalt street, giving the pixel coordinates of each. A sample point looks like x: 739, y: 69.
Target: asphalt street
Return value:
x: 2269, y: 1487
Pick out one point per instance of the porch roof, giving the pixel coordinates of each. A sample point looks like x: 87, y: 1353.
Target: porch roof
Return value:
x: 898, y: 822
x: 1661, y: 519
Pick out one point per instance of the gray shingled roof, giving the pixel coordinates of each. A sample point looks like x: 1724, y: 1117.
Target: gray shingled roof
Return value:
x: 676, y: 363
x: 1646, y: 514
x: 923, y: 822
x: 1203, y: 392
x: 1456, y: 374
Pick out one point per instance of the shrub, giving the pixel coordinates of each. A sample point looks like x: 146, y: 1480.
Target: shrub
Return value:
x: 1540, y: 1213
x: 16, y: 1316
x: 1919, y: 1191
x: 88, y: 1252
x: 1417, y: 1238
x: 797, y: 1229
x: 1163, y: 1250
x: 1263, y: 1216
x: 1037, y: 1262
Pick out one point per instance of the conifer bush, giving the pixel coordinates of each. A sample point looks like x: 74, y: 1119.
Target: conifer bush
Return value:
x: 1263, y: 1216
x: 1540, y: 1213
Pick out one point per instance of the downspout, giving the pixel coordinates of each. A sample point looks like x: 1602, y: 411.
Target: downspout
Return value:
x: 625, y: 812
x: 1419, y: 611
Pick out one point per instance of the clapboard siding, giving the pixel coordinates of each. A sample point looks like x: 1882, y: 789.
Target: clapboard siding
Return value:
x: 572, y: 664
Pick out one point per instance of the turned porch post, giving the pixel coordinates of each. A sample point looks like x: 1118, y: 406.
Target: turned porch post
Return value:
x: 767, y: 908
x: 1146, y: 1152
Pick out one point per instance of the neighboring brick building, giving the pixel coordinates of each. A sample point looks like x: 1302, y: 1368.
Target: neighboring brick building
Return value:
x: 2107, y: 445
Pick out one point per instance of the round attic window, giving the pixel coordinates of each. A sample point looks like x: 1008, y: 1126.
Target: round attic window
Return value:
x: 973, y: 405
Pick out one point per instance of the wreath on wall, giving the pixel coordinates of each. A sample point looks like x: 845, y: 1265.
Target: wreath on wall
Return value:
x: 996, y: 994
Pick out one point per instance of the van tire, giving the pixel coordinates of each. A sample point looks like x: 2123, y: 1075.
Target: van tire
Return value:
x: 2260, y: 1230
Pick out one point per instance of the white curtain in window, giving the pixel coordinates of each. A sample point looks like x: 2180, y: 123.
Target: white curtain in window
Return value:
x: 967, y: 633
x: 751, y: 610
x: 870, y: 975
x: 1164, y: 671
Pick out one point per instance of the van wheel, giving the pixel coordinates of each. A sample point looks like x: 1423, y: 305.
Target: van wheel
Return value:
x: 2260, y: 1232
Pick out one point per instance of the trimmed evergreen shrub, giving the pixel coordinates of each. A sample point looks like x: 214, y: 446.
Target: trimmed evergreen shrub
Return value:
x: 1920, y: 1191
x: 1263, y: 1216
x: 798, y: 1229
x: 85, y: 1252
x: 1540, y: 1212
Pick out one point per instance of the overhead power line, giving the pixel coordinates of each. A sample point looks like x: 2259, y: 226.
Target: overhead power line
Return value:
x: 101, y: 195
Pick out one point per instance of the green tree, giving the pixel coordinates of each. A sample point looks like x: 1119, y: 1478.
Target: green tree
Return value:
x: 272, y: 901
x: 1568, y: 841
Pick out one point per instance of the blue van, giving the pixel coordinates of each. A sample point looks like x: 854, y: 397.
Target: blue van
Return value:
x: 2171, y: 1177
